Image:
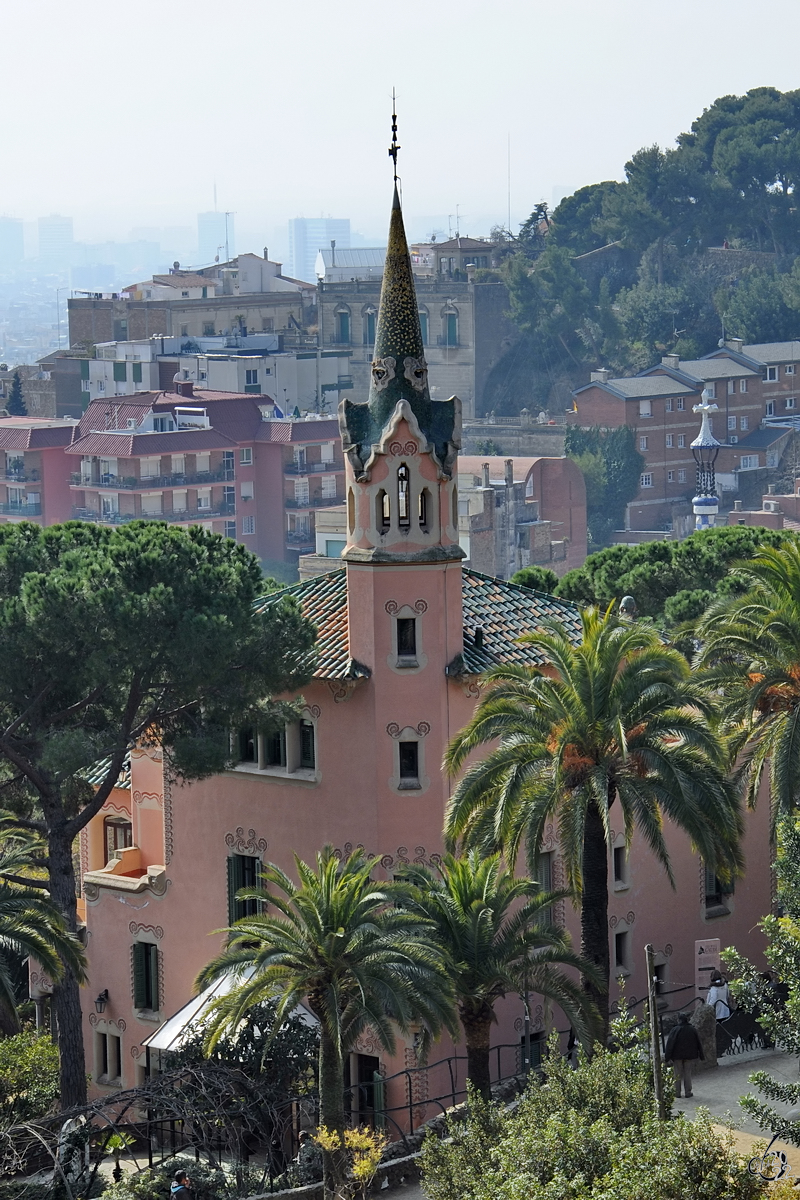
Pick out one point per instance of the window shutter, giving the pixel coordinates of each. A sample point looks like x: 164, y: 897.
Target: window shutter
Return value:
x: 152, y: 954
x: 137, y: 372
x: 140, y: 996
x: 235, y: 882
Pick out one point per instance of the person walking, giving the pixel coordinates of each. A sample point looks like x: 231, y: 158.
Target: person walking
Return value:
x: 719, y: 997
x: 682, y: 1050
x: 181, y: 1188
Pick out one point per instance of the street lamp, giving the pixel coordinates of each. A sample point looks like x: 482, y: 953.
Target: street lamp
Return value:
x: 101, y: 1001
x: 705, y: 449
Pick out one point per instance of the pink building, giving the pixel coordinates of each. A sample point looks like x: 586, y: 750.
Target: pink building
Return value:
x: 219, y: 459
x: 33, y: 477
x: 404, y: 635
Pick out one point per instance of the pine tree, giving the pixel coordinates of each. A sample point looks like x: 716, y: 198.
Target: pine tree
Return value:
x: 16, y: 401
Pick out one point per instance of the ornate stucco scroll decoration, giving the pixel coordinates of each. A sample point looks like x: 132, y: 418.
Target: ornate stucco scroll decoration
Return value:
x: 394, y: 730
x: 168, y: 830
x: 136, y: 1052
x: 241, y: 844
x: 341, y: 689
x: 420, y: 606
x: 90, y: 891
x: 401, y: 858
x: 383, y: 372
x: 668, y: 950
x: 416, y: 372
x: 313, y: 709
x: 398, y: 448
x: 140, y: 797
x: 137, y: 927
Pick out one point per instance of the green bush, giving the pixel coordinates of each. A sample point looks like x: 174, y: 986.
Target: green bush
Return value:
x: 207, y: 1183
x: 28, y: 1077
x: 586, y: 1134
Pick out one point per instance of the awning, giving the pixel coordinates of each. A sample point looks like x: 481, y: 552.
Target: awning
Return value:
x: 186, y: 1021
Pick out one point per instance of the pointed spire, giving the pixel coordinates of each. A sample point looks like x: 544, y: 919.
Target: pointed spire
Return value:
x: 399, y: 370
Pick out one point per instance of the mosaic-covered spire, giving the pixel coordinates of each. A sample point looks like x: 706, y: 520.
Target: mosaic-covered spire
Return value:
x: 399, y: 370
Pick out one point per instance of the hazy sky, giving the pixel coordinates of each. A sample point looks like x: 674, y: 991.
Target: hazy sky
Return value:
x: 125, y: 114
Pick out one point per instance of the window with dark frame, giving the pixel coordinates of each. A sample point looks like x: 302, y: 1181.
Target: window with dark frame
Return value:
x: 544, y: 877
x: 403, y: 497
x: 621, y: 949
x: 406, y: 637
x: 308, y: 756
x: 243, y: 871
x: 409, y: 764
x: 248, y: 744
x: 620, y: 864
x: 118, y: 835
x: 145, y: 976
x: 275, y: 746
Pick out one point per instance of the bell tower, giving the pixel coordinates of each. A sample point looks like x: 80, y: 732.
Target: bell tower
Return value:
x: 401, y: 449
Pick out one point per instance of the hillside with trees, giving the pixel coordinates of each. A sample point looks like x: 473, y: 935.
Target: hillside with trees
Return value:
x: 697, y: 242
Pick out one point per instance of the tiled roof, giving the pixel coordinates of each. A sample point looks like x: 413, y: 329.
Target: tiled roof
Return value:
x: 716, y: 368
x: 502, y: 611
x: 31, y: 437
x: 774, y: 352
x: 132, y: 445
x: 97, y: 772
x: 635, y: 386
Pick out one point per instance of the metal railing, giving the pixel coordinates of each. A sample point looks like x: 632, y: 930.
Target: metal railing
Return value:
x: 131, y: 483
x: 21, y: 476
x: 314, y: 502
x: 21, y: 510
x: 190, y: 516
x: 299, y: 539
x: 312, y: 468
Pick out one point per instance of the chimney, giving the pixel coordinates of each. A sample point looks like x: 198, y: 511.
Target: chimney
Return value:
x: 737, y: 506
x: 601, y: 375
x: 770, y: 489
x: 509, y: 472
x: 184, y: 387
x: 333, y: 253
x: 266, y: 253
x: 734, y: 344
x: 671, y: 360
x: 485, y: 470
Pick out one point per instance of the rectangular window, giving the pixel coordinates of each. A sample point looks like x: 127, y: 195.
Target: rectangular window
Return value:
x: 642, y: 443
x: 179, y: 504
x: 770, y: 411
x: 120, y: 372
x: 204, y: 498
x: 423, y: 323
x: 749, y: 462
x: 109, y: 1056
x: 789, y: 370
x: 711, y: 390
x: 790, y: 402
x: 406, y: 637
x: 246, y: 489
x: 308, y: 757
x: 744, y: 423
x: 326, y: 452
x: 184, y: 330
x: 670, y: 441
x: 329, y: 487
x: 409, y: 764
x: 246, y: 456
x: 178, y: 464
x: 84, y: 368
x: 248, y: 526
x: 681, y: 441
x: 670, y: 476
x: 208, y: 329
x: 149, y: 468
x: 343, y: 327
x: 145, y: 976
x: 645, y: 408
x: 202, y: 464
x: 275, y: 748
x: 230, y: 530
x: 680, y: 404
x: 301, y: 492
x: 451, y: 329
x: 118, y: 836
x: 544, y: 877
x: 151, y: 504
x: 742, y: 385
x: 621, y: 949
x: 620, y: 864
x: 646, y: 480
x: 668, y: 405
x: 251, y: 377
x: 136, y: 372
x: 163, y: 425
x: 243, y: 872
x: 681, y: 477
x: 772, y: 374
x: 731, y: 422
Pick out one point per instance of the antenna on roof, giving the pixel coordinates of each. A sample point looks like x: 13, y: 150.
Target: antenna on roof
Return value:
x: 393, y: 149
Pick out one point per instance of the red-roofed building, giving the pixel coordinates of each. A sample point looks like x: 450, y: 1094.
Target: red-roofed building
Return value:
x: 33, y: 481
x: 219, y: 459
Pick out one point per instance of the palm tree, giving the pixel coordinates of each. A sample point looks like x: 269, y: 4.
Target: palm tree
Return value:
x: 615, y: 719
x: 30, y: 924
x: 339, y: 941
x: 496, y: 936
x: 750, y: 647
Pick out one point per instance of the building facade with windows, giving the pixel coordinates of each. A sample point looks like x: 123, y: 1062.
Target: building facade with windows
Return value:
x: 34, y: 484
x: 405, y: 633
x: 217, y: 459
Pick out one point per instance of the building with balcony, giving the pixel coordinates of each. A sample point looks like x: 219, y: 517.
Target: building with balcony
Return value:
x: 221, y: 460
x: 33, y: 478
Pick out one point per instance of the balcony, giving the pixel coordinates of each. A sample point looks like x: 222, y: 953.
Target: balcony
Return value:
x: 295, y: 540
x: 190, y: 517
x: 129, y: 483
x: 312, y: 468
x: 314, y: 502
x: 21, y: 510
x: 20, y: 476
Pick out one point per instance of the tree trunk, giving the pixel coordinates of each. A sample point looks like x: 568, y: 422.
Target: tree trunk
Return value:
x: 66, y: 995
x: 594, y: 911
x: 478, y: 1034
x: 331, y: 1112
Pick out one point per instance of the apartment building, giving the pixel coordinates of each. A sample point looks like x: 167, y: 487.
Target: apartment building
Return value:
x: 33, y: 477
x: 216, y: 459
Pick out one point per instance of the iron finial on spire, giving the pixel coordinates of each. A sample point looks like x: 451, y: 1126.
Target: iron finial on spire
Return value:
x: 394, y: 146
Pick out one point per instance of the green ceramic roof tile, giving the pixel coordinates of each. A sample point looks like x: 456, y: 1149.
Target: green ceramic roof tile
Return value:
x: 502, y: 611
x: 97, y: 772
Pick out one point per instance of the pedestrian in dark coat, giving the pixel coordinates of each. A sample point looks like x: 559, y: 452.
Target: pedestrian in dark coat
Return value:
x: 682, y: 1050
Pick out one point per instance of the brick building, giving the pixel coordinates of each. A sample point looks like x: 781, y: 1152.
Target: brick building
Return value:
x: 34, y: 483
x: 215, y: 459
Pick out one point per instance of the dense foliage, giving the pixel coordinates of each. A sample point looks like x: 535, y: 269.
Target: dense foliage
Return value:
x: 585, y: 1134
x: 28, y: 1077
x: 611, y: 466
x: 695, y: 240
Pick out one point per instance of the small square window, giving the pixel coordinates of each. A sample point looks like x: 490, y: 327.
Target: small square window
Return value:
x: 790, y: 402
x: 680, y: 404
x: 789, y: 370
x: 645, y: 408
x: 772, y: 374
x: 248, y: 526
x: 246, y: 456
x: 230, y: 529
x: 409, y: 764
x: 646, y: 480
x: 208, y: 329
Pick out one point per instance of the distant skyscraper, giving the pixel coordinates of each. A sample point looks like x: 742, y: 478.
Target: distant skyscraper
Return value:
x: 309, y: 235
x: 55, y: 240
x: 214, y: 238
x: 12, y: 241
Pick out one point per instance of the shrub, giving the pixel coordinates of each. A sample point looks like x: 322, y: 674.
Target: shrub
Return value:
x: 208, y: 1183
x: 28, y: 1077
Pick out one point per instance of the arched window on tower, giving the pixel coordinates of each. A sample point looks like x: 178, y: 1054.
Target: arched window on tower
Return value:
x: 424, y: 509
x: 351, y: 512
x: 403, y: 497
x: 384, y: 512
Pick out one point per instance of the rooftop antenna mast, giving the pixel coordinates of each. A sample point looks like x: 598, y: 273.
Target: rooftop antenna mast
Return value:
x: 393, y: 149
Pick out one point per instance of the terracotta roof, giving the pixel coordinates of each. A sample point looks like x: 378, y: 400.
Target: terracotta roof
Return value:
x: 502, y: 611
x: 97, y: 772
x: 31, y: 437
x: 133, y: 445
